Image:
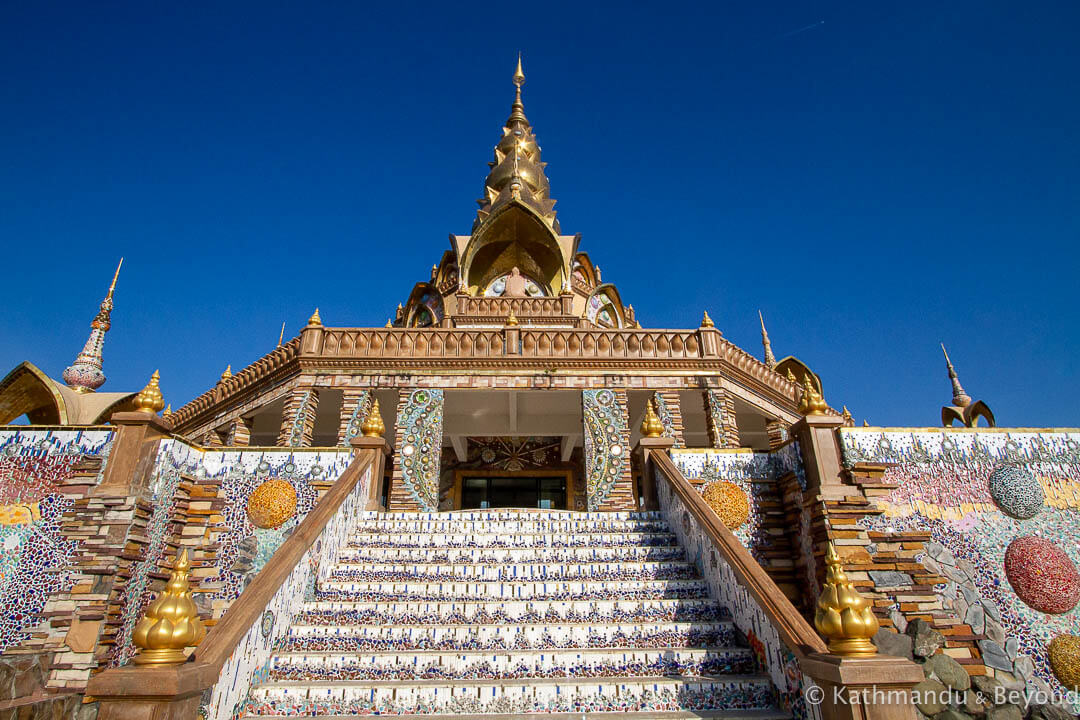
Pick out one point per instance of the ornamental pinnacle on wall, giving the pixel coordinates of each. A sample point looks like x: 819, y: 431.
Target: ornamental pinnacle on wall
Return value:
x: 517, y: 173
x: 85, y: 375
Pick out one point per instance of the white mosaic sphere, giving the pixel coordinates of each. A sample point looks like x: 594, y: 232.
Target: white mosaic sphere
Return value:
x: 1016, y: 491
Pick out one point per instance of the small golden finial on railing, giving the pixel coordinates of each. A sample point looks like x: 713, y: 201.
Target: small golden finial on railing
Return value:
x: 791, y: 376
x: 388, y: 323
x: 373, y: 424
x: 227, y: 374
x: 706, y: 321
x: 811, y: 402
x: 315, y: 319
x: 511, y: 321
x: 844, y: 617
x: 849, y: 419
x: 149, y: 399
x: 651, y: 427
x: 168, y: 412
x: 171, y: 622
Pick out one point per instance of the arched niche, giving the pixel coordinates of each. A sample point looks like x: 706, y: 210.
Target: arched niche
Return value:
x: 425, y: 307
x: 26, y: 390
x: 584, y: 273
x: 800, y: 370
x: 604, y: 307
x: 513, y: 236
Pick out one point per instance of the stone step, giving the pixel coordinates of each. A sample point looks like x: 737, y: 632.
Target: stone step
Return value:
x: 501, y: 514
x: 499, y: 556
x: 324, y: 667
x: 621, y: 572
x: 484, y: 697
x: 359, y: 638
x: 455, y: 540
x: 769, y: 714
x: 518, y: 527
x: 511, y: 590
x: 506, y: 613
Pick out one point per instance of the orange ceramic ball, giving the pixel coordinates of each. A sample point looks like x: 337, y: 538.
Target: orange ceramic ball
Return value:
x: 729, y: 501
x: 1064, y: 652
x: 271, y: 504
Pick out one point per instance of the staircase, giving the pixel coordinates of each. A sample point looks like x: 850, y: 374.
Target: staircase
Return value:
x: 511, y: 612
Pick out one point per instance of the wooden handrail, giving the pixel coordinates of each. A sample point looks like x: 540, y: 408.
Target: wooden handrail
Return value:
x: 794, y: 631
x: 203, y: 667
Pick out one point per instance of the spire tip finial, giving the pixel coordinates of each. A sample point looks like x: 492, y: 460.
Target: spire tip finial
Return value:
x: 519, y: 75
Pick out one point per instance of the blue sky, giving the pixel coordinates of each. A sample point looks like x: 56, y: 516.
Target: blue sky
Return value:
x: 875, y: 177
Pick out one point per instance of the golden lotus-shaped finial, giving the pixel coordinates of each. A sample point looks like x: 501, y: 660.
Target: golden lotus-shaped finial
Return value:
x: 512, y: 320
x: 170, y: 623
x: 315, y: 319
x: 651, y: 426
x: 706, y: 321
x: 227, y: 374
x: 149, y: 399
x: 811, y: 402
x: 844, y: 617
x: 373, y: 425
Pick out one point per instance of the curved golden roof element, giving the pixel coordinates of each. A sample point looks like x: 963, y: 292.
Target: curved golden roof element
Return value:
x: 770, y: 359
x: 795, y: 370
x: 26, y: 390
x: 844, y: 617
x: 149, y: 400
x: 517, y: 172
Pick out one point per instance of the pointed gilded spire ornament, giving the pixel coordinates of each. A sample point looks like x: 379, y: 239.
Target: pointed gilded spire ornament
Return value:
x: 167, y: 413
x: 149, y: 400
x: 849, y: 419
x: 281, y: 335
x: 791, y: 376
x: 517, y: 172
x: 844, y: 617
x: 373, y: 424
x: 512, y: 320
x: 706, y: 321
x: 85, y: 375
x: 227, y: 374
x: 811, y: 402
x: 770, y: 359
x: 171, y: 622
x: 651, y: 427
x: 959, y: 397
x: 315, y: 319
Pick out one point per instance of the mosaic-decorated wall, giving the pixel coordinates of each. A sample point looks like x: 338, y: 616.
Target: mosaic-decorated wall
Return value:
x: 768, y: 515
x: 772, y: 655
x: 39, y: 480
x: 419, y: 432
x: 607, y: 461
x: 261, y: 496
x: 1003, y: 511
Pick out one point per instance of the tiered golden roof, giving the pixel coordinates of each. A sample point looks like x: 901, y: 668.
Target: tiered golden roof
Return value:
x: 517, y: 173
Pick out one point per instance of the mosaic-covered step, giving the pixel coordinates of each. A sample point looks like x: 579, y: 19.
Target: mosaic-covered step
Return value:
x: 511, y: 612
x: 512, y: 696
x: 479, y: 665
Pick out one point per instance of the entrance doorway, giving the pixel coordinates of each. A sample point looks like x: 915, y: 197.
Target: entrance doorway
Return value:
x: 542, y: 489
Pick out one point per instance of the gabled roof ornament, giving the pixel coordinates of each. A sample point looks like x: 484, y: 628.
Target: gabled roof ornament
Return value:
x: 963, y: 410
x: 85, y: 375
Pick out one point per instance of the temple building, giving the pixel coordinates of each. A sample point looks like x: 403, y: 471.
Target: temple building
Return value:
x: 514, y: 499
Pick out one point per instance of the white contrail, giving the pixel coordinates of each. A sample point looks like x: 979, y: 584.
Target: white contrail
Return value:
x: 800, y: 30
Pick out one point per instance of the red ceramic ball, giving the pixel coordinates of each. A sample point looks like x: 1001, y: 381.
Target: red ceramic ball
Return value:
x: 1042, y: 575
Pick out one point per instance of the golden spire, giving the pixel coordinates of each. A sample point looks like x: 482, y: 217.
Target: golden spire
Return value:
x: 770, y: 359
x: 315, y: 319
x: 373, y: 424
x: 149, y: 399
x: 512, y: 320
x: 168, y: 412
x: 388, y: 323
x: 651, y: 427
x: 844, y: 617
x: 706, y: 321
x: 85, y: 375
x: 281, y: 336
x: 171, y: 622
x: 866, y: 423
x: 811, y: 402
x: 517, y: 172
x: 227, y: 374
x: 849, y: 419
x: 791, y: 376
x: 959, y: 397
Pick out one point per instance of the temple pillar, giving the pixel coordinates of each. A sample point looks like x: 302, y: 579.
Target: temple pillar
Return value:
x: 298, y: 418
x: 778, y: 433
x: 239, y: 433
x: 669, y: 409
x: 354, y: 409
x: 414, y: 486
x: 720, y: 418
x: 609, y: 483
